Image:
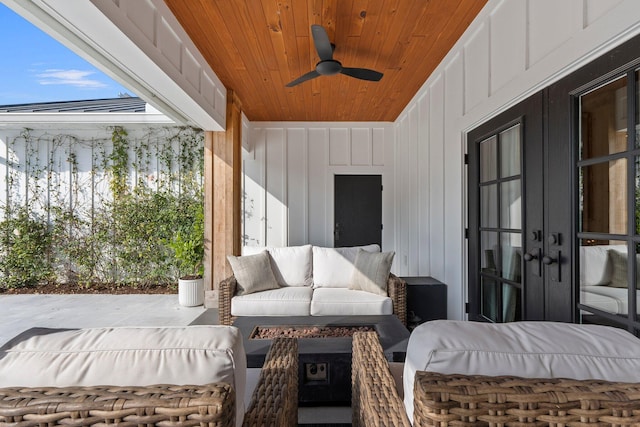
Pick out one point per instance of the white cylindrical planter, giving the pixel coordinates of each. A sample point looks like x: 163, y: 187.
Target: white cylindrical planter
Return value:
x: 191, y: 292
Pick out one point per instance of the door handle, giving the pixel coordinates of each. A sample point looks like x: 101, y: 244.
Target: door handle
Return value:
x: 547, y: 260
x: 553, y: 260
x: 336, y: 232
x: 532, y: 255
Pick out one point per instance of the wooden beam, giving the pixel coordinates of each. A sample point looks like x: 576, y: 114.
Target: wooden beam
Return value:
x: 222, y: 169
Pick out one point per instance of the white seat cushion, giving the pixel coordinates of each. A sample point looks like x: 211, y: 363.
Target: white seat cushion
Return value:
x: 288, y: 301
x: 126, y: 356
x: 333, y: 267
x: 291, y: 265
x: 347, y: 302
x: 526, y: 349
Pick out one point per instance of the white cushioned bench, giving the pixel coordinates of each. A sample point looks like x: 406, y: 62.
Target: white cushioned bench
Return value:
x: 524, y: 349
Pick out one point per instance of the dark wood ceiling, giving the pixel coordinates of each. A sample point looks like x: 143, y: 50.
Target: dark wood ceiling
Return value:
x: 257, y: 46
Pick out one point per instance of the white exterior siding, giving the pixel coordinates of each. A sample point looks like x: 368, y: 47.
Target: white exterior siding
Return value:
x: 513, y: 49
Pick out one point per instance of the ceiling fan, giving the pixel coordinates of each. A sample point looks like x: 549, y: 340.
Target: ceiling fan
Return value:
x: 329, y: 66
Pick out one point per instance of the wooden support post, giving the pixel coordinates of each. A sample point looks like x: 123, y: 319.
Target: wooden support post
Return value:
x: 222, y: 169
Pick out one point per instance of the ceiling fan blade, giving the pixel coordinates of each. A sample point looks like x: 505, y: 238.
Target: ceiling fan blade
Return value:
x: 322, y: 43
x: 310, y: 75
x: 362, y: 73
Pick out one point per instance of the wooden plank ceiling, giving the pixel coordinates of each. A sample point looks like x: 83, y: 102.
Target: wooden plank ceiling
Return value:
x: 257, y: 46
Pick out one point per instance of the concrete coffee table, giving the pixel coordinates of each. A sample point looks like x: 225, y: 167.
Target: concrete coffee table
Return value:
x: 324, y: 363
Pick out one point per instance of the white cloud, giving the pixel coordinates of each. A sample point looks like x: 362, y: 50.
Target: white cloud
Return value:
x: 76, y: 78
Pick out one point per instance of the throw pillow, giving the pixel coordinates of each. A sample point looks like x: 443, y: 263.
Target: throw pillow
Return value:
x: 253, y: 273
x: 619, y: 269
x: 371, y: 271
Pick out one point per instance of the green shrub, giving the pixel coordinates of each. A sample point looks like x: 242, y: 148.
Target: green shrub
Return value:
x: 26, y: 242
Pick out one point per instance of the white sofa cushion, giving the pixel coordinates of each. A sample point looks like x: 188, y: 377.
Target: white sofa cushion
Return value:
x: 287, y: 301
x: 333, y: 267
x: 526, y: 349
x: 126, y: 356
x: 346, y: 302
x: 291, y: 265
x: 253, y: 273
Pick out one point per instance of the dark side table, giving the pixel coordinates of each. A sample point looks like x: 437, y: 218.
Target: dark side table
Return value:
x: 426, y: 300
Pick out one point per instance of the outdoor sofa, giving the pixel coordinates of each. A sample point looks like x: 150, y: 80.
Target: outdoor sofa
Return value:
x: 311, y: 281
x: 171, y: 376
x: 524, y: 373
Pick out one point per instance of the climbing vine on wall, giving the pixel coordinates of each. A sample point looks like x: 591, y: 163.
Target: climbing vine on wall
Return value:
x: 99, y: 210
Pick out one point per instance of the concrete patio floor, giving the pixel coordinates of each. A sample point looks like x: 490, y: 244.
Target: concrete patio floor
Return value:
x: 21, y: 312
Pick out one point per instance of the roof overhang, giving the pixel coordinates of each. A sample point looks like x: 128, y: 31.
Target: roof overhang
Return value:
x: 142, y: 46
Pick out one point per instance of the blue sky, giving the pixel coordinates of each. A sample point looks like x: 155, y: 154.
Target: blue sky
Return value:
x: 37, y: 68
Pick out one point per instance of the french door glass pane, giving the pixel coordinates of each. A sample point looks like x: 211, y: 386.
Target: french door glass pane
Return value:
x: 490, y: 261
x: 510, y: 152
x: 603, y: 120
x: 511, y: 256
x: 603, y: 197
x: 489, y: 206
x: 511, y: 204
x: 511, y: 303
x: 488, y: 159
x: 489, y: 295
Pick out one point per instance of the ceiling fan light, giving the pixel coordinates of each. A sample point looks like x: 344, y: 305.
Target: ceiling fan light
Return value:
x: 328, y: 67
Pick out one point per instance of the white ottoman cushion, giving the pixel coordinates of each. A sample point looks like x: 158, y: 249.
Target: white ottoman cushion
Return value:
x: 347, y: 302
x: 126, y: 356
x: 526, y: 349
x: 333, y: 267
x: 291, y: 265
x: 288, y: 301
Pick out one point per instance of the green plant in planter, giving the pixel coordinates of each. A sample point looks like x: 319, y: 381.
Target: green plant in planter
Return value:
x: 188, y: 243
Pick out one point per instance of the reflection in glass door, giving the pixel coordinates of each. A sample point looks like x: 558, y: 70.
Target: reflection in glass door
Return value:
x: 500, y: 226
x: 608, y: 204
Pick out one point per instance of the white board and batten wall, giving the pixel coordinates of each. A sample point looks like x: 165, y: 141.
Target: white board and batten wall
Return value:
x: 513, y: 49
x: 288, y: 175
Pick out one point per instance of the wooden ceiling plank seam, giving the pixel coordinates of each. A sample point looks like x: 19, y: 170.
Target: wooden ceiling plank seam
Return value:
x: 261, y: 53
x: 367, y: 50
x: 290, y: 42
x: 368, y: 31
x: 272, y: 13
x: 400, y: 36
x: 301, y: 18
x: 246, y: 36
x: 325, y: 94
x: 359, y: 12
x: 301, y: 95
x: 329, y: 13
x: 255, y: 61
x: 258, y: 24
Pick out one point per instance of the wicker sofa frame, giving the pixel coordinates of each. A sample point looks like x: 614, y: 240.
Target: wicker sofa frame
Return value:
x: 477, y: 400
x: 274, y: 401
x: 396, y: 289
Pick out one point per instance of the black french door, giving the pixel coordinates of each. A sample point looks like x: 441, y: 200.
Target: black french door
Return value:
x: 554, y: 228
x: 517, y: 240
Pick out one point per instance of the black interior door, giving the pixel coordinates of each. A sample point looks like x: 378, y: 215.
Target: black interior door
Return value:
x: 357, y: 210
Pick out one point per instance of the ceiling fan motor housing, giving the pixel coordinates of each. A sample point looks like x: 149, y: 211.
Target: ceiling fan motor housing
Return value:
x: 328, y: 67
